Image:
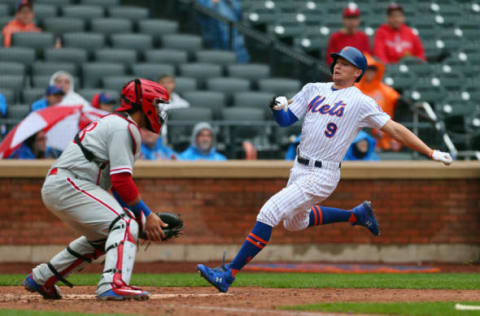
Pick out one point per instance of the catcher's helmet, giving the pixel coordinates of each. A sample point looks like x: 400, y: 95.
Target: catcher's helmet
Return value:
x: 147, y: 96
x: 354, y: 56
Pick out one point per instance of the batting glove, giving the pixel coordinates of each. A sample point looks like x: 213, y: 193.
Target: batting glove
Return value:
x: 441, y: 156
x: 279, y: 103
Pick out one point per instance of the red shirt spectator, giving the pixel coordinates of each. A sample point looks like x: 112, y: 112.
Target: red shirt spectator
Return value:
x: 23, y: 22
x: 348, y: 35
x: 395, y: 40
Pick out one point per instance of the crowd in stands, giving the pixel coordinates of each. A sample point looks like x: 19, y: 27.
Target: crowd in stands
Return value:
x: 393, y: 41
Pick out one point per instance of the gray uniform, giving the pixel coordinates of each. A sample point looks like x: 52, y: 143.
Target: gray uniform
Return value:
x: 76, y: 191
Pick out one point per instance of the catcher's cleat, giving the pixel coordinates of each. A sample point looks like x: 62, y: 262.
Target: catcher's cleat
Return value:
x: 219, y: 278
x: 48, y: 292
x: 123, y: 293
x: 366, y: 217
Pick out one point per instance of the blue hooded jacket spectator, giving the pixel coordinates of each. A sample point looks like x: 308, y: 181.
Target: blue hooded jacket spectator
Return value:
x: 160, y: 151
x: 35, y: 147
x: 194, y: 152
x: 53, y: 95
x: 216, y: 34
x: 357, y: 151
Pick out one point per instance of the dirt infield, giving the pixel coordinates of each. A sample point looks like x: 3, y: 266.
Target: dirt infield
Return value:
x: 207, y: 301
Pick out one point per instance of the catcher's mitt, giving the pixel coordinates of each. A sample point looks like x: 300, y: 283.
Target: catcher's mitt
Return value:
x: 175, y: 226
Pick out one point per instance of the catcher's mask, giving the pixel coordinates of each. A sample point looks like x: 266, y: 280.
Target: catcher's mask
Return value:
x: 147, y: 96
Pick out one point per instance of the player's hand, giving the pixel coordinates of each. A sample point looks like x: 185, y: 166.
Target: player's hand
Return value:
x: 441, y: 156
x: 279, y: 103
x: 153, y: 227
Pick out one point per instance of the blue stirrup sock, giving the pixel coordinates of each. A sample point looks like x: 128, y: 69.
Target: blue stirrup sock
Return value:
x: 253, y: 244
x: 321, y: 215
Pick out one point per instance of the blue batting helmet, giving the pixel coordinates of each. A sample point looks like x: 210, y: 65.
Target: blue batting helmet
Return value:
x: 354, y: 56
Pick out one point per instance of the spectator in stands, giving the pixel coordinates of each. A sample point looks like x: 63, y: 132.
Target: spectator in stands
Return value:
x: 3, y: 113
x: 292, y: 148
x: 349, y: 35
x: 53, y: 96
x: 103, y: 101
x: 395, y: 40
x: 387, y: 97
x: 362, y: 148
x: 35, y: 147
x: 153, y: 147
x: 216, y: 34
x: 64, y: 80
x: 176, y: 101
x: 202, y: 145
x: 23, y: 22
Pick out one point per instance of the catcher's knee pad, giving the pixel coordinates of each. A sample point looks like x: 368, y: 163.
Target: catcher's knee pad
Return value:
x: 120, y: 251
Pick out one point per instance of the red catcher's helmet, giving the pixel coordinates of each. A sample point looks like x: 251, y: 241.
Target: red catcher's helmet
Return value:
x: 147, y: 96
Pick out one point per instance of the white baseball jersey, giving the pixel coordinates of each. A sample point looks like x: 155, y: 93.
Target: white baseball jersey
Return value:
x: 333, y: 119
x: 114, y: 139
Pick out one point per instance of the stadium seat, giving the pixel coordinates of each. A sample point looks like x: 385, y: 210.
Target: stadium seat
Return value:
x: 249, y: 71
x: 31, y: 95
x: 22, y: 55
x: 228, y: 85
x: 152, y: 71
x: 200, y: 71
x: 89, y: 93
x: 58, y: 3
x: 184, y: 84
x: 64, y: 25
x: 219, y: 57
x: 157, y: 28
x: 139, y: 42
x: 103, y: 3
x: 115, y: 83
x: 12, y: 82
x: 171, y: 56
x: 10, y: 95
x: 4, y: 9
x: 116, y: 55
x: 44, y: 12
x: 110, y: 26
x: 240, y: 117
x: 128, y: 12
x: 213, y: 100
x: 87, y: 41
x: 18, y: 111
x: 49, y: 68
x: 190, y: 43
x: 279, y: 86
x: 475, y: 141
x: 93, y: 72
x: 85, y: 12
x: 69, y: 55
x: 11, y: 68
x: 33, y: 40
x: 252, y: 99
x: 4, y: 20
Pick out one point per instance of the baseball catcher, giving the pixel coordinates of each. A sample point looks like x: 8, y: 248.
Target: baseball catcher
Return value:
x: 76, y: 191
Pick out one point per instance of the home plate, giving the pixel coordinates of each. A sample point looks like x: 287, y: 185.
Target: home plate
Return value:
x: 10, y: 297
x: 461, y: 307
